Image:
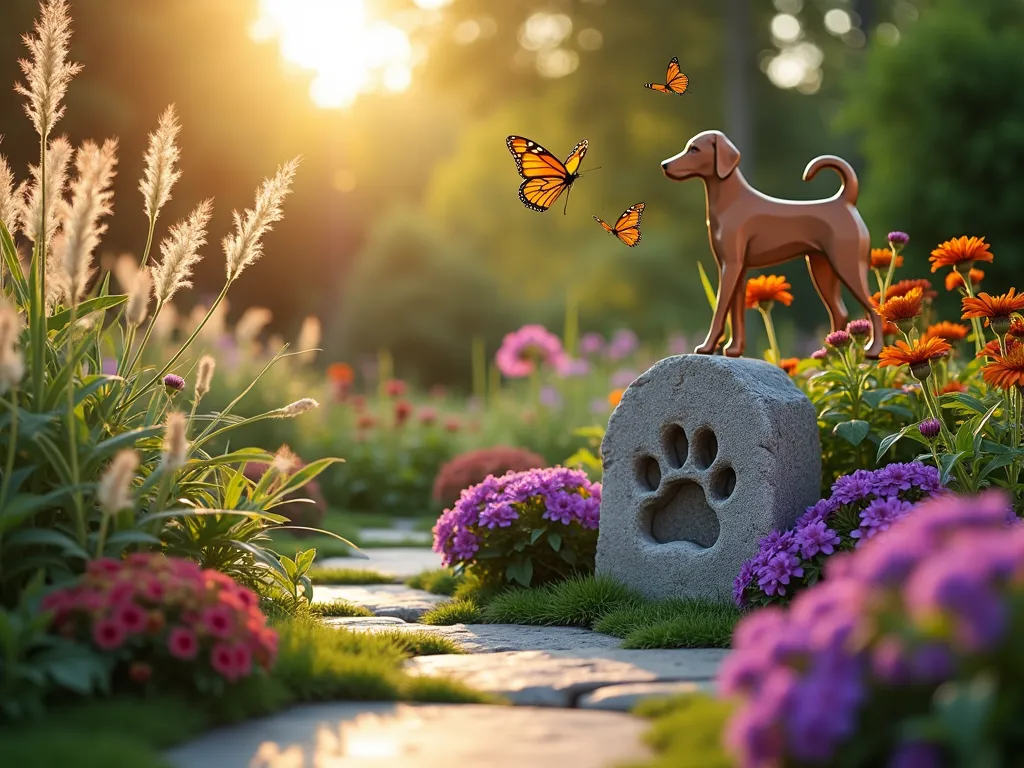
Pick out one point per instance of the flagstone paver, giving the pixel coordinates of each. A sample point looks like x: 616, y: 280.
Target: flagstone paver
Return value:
x: 493, y: 638
x: 385, y: 735
x: 622, y: 698
x: 400, y: 562
x: 395, y: 600
x: 559, y: 678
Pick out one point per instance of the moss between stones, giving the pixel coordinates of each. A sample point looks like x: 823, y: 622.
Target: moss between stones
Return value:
x: 348, y: 576
x: 686, y: 730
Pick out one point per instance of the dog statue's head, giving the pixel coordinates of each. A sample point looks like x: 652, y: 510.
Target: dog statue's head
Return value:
x: 709, y: 153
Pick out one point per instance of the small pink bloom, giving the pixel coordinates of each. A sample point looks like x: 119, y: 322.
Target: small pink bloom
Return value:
x: 103, y: 565
x: 247, y: 598
x: 222, y: 659
x: 243, y: 660
x: 182, y: 643
x: 217, y: 621
x: 141, y: 558
x: 108, y: 634
x: 154, y: 590
x: 185, y: 569
x: 121, y: 593
x: 132, y: 618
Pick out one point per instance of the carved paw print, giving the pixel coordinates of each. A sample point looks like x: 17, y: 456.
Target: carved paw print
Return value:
x: 683, y: 487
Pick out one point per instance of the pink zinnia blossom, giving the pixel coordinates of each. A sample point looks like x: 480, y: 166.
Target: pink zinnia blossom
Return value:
x: 222, y: 659
x: 246, y: 597
x: 524, y: 350
x: 132, y: 618
x: 217, y: 620
x: 103, y: 565
x: 182, y: 643
x: 243, y: 660
x: 108, y: 634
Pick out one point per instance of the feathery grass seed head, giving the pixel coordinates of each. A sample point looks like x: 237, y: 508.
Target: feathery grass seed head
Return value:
x: 12, y: 365
x: 207, y: 364
x: 309, y: 338
x: 58, y: 157
x: 10, y: 203
x: 175, y: 442
x: 250, y: 324
x: 138, y: 297
x: 115, y: 487
x: 47, y: 70
x: 180, y: 252
x: 160, y: 174
x: 245, y: 246
x: 294, y: 409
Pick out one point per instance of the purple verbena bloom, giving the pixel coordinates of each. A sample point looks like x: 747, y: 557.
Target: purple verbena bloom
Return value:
x: 623, y: 378
x: 775, y: 575
x: 623, y: 343
x: 814, y: 538
x: 878, y: 515
x: 576, y: 366
x: 591, y: 343
x: 550, y: 398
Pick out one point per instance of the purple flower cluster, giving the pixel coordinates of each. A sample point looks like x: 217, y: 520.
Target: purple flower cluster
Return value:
x: 523, y: 351
x: 931, y: 598
x: 623, y: 344
x: 862, y: 504
x: 566, y: 495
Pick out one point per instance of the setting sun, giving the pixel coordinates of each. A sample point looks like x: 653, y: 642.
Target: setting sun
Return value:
x: 348, y: 51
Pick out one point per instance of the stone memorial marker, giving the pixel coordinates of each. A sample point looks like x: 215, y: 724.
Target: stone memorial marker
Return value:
x: 703, y: 457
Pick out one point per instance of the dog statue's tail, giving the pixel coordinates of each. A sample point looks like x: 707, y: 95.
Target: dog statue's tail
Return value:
x: 848, y: 193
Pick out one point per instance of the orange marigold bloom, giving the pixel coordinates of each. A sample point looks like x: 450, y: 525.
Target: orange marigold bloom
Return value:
x: 766, y: 288
x: 952, y: 388
x: 341, y: 373
x: 960, y: 250
x: 948, y: 331
x: 1006, y: 371
x: 615, y: 396
x: 902, y: 307
x: 880, y: 258
x: 903, y: 287
x: 992, y: 348
x: 789, y: 364
x: 991, y: 307
x: 955, y: 280
x: 1016, y: 327
x: 921, y: 353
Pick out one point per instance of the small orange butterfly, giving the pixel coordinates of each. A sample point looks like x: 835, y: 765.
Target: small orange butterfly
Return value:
x: 627, y: 228
x: 675, y: 81
x: 546, y: 176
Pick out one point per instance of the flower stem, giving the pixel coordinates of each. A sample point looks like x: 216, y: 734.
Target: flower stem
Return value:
x: 12, y: 445
x: 769, y: 328
x: 979, y: 334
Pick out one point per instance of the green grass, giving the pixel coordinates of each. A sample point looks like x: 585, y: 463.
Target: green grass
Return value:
x: 321, y: 575
x: 686, y: 730
x: 598, y: 603
x: 337, y: 608
x: 315, y: 663
x: 442, y: 581
x: 463, y: 611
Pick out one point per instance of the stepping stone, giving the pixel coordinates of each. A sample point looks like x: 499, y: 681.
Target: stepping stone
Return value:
x: 395, y: 537
x: 622, y: 698
x: 386, y: 735
x: 493, y: 638
x: 400, y: 562
x: 395, y: 600
x: 559, y: 678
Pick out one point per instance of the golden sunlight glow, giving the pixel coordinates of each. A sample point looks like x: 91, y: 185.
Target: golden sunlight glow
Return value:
x: 348, y: 52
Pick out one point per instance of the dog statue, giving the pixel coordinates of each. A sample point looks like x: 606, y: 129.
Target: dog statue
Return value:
x: 749, y: 230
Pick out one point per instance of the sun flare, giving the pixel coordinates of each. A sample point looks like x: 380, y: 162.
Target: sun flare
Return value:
x: 348, y: 51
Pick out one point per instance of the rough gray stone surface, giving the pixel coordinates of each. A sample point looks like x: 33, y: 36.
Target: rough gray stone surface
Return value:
x: 395, y: 600
x: 703, y: 456
x: 622, y: 698
x: 558, y: 678
x: 385, y: 735
x: 492, y: 638
x: 400, y: 562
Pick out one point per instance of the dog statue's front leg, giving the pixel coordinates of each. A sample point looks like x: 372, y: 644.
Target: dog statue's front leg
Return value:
x: 728, y: 283
x: 738, y: 316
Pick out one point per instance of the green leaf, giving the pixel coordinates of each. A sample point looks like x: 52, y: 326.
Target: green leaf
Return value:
x: 16, y: 276
x: 853, y: 431
x: 289, y: 566
x: 875, y: 397
x: 947, y: 462
x: 889, y: 442
x: 59, y: 320
x: 48, y: 537
x: 964, y: 439
x: 536, y: 534
x: 555, y: 540
x: 997, y: 462
x: 75, y: 667
x: 521, y: 571
x: 123, y: 538
x: 303, y: 560
x: 963, y: 401
x: 19, y: 508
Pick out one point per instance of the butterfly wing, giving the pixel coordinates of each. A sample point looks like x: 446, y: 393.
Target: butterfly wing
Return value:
x: 540, y: 193
x: 607, y: 227
x: 627, y: 228
x: 658, y: 87
x: 532, y: 160
x: 572, y: 162
x: 546, y: 176
x: 675, y: 81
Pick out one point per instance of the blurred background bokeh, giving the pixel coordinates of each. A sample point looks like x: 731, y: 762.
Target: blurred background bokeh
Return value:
x: 405, y: 232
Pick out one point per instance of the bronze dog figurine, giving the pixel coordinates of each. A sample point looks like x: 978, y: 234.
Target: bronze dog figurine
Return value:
x: 749, y: 230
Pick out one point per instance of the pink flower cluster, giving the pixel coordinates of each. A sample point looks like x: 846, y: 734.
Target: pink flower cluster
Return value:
x: 155, y: 612
x: 524, y: 351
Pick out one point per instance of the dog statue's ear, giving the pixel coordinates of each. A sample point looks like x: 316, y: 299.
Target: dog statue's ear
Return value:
x: 727, y: 157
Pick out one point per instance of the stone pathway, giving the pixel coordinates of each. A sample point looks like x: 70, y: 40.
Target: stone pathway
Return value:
x: 400, y: 562
x: 572, y: 690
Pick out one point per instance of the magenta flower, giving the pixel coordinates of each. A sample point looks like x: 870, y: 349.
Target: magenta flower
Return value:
x: 591, y: 343
x: 527, y: 349
x: 173, y: 383
x: 182, y: 643
x: 898, y: 239
x: 860, y: 327
x: 838, y: 339
x: 108, y: 634
x: 623, y: 343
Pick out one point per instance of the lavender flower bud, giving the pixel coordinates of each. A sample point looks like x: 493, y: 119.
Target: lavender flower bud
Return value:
x: 838, y: 339
x: 930, y: 428
x: 173, y: 383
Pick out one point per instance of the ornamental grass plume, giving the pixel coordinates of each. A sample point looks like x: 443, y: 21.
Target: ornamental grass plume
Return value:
x: 251, y: 324
x: 245, y: 246
x: 138, y: 297
x: 161, y: 174
x: 295, y: 409
x: 175, y: 442
x: 309, y: 338
x: 91, y: 200
x: 204, y: 375
x: 47, y: 70
x: 114, y: 492
x: 180, y: 252
x: 38, y: 201
x: 12, y: 365
x: 10, y: 196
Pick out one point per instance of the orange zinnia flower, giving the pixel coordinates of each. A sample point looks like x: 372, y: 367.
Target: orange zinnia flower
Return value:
x: 918, y: 357
x: 952, y: 388
x: 992, y: 349
x: 1016, y: 329
x: 789, y: 364
x: 341, y: 373
x: 1006, y: 371
x: 901, y: 308
x: 954, y: 279
x: 948, y: 331
x: 880, y: 258
x: 993, y: 307
x: 764, y: 289
x: 903, y: 287
x: 615, y: 396
x: 961, y: 250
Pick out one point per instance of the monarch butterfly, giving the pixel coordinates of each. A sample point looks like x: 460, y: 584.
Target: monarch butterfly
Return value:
x: 627, y: 228
x: 675, y: 81
x: 546, y: 177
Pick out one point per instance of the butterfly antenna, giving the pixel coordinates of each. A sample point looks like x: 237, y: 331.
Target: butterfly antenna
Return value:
x: 598, y: 168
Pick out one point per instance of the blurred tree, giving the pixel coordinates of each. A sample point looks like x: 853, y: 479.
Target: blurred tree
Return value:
x: 941, y: 115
